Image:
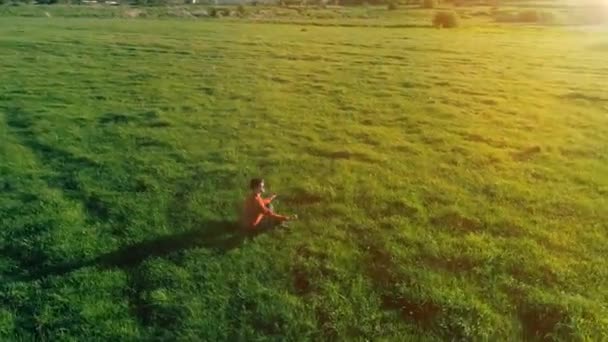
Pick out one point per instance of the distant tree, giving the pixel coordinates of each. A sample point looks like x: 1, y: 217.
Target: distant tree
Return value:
x: 429, y: 3
x: 151, y: 2
x: 241, y: 10
x: 445, y: 20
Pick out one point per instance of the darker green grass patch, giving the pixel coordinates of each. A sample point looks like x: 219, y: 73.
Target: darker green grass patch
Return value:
x: 302, y: 197
x: 221, y: 236
x: 540, y: 323
x: 585, y: 97
x: 454, y: 264
x: 116, y: 119
x: 401, y: 208
x: 486, y: 140
x: 149, y: 142
x: 342, y: 155
x: 148, y: 118
x: 541, y: 274
x: 545, y: 317
x: 302, y: 283
x: 506, y: 229
x: 422, y: 314
x: 526, y: 154
x: 456, y: 221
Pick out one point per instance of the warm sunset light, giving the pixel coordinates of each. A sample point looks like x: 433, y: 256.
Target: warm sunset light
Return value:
x: 303, y: 170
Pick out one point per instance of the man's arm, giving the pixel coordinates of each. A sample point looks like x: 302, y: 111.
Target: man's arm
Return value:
x: 268, y: 212
x: 269, y: 200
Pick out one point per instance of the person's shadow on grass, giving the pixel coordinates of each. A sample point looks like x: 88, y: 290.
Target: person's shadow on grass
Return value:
x: 220, y: 236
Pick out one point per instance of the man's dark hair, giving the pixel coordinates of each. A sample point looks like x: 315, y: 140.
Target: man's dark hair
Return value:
x: 255, y: 183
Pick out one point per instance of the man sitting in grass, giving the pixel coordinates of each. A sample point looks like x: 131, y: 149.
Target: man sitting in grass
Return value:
x: 257, y: 211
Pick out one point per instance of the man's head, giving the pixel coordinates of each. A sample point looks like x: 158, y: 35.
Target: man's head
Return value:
x: 257, y: 185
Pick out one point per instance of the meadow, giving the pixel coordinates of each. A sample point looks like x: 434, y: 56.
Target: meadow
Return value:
x: 450, y: 184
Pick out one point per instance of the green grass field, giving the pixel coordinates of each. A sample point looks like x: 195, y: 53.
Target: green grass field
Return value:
x: 451, y: 184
